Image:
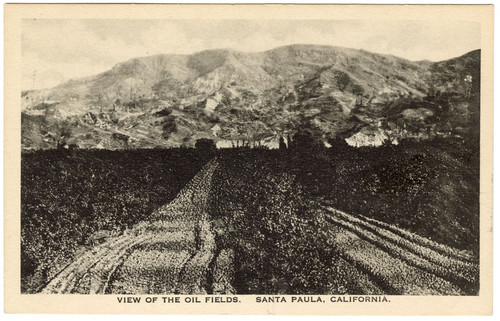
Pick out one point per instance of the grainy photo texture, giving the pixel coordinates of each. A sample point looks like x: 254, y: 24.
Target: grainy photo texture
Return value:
x: 268, y: 157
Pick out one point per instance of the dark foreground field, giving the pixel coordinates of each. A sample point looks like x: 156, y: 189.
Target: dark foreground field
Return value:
x: 397, y: 219
x: 74, y: 199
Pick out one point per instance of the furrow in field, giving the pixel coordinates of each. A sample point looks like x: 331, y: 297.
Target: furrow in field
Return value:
x: 455, y: 254
x: 462, y: 268
x: 67, y: 278
x: 148, y: 272
x: 70, y: 277
x: 153, y: 266
x: 106, y: 267
x: 424, y: 259
x: 391, y: 274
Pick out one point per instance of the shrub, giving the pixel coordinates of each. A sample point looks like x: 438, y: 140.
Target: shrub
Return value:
x: 205, y: 146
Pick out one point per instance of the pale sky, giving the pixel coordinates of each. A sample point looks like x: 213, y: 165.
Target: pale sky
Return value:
x: 59, y: 50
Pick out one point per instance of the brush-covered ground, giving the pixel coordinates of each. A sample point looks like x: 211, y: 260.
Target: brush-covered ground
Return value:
x: 72, y: 200
x: 394, y: 219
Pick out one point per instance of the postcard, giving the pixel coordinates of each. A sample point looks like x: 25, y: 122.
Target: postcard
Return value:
x: 248, y: 159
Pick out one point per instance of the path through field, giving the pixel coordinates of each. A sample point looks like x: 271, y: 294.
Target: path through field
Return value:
x: 173, y: 254
x: 176, y: 253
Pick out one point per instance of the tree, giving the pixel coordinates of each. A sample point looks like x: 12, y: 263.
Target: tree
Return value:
x: 205, y: 145
x: 304, y: 142
x: 228, y: 132
x: 258, y: 131
x: 338, y: 143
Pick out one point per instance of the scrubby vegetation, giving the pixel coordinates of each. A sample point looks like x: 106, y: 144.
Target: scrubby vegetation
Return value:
x: 266, y: 208
x: 427, y: 187
x: 271, y: 203
x: 278, y: 239
x: 72, y: 199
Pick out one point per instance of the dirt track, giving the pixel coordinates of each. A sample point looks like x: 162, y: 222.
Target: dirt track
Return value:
x: 177, y: 253
x: 171, y: 255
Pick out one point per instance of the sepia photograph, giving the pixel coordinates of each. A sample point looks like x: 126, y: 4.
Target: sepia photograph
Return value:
x: 296, y: 160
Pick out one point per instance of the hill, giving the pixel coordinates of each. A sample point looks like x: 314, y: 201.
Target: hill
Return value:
x: 240, y: 98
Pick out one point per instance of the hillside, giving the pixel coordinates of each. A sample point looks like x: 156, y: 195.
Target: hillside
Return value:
x: 241, y: 98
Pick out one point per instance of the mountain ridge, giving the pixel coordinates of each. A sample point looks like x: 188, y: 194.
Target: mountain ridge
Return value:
x: 229, y: 95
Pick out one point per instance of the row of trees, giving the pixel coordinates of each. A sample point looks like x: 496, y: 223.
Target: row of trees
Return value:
x: 302, y: 141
